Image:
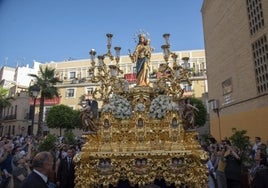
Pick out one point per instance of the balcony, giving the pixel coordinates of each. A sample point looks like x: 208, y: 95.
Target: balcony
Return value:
x: 10, y: 117
x: 53, y: 101
x: 201, y: 75
x: 72, y: 81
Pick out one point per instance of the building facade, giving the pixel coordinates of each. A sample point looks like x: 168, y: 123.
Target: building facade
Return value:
x: 236, y: 44
x: 75, y: 83
x: 16, y: 118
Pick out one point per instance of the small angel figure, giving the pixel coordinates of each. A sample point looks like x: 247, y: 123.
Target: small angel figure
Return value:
x: 88, y: 120
x: 189, y: 113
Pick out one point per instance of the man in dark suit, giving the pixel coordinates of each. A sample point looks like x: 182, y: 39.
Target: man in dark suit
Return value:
x: 42, y: 165
x: 66, y: 172
x: 260, y: 180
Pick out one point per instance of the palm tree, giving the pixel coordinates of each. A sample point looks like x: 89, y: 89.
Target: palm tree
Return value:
x: 46, y: 81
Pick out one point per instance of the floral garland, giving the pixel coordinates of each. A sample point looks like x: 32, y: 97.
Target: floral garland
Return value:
x: 119, y: 106
x: 160, y: 105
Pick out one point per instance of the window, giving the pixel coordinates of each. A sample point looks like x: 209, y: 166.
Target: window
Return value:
x: 16, y: 110
x: 31, y: 112
x: 260, y: 57
x: 13, y: 130
x: 187, y: 88
x: 46, y: 110
x: 255, y: 15
x: 69, y: 92
x: 9, y: 129
x: 89, y: 90
x: 72, y: 75
x: 227, y: 86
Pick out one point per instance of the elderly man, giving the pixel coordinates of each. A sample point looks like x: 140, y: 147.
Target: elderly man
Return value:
x: 42, y: 165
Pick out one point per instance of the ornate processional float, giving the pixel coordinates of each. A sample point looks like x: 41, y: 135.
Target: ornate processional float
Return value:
x: 144, y: 133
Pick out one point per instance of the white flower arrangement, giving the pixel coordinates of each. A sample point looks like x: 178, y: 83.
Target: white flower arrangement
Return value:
x: 119, y: 106
x: 139, y: 107
x: 160, y: 105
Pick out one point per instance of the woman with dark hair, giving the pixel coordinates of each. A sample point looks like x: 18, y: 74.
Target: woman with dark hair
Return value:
x: 259, y: 172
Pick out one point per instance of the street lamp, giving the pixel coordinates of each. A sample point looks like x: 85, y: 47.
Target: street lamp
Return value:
x: 215, y: 107
x: 34, y: 93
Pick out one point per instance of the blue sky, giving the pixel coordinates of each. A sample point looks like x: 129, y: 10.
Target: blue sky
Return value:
x: 56, y: 30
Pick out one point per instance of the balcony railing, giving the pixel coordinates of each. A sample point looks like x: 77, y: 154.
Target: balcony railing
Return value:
x: 199, y: 74
x: 9, y: 117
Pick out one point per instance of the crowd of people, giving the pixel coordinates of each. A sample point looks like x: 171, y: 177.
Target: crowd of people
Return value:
x: 228, y: 168
x: 22, y: 165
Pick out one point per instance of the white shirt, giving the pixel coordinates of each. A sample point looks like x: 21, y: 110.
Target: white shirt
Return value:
x: 210, y: 165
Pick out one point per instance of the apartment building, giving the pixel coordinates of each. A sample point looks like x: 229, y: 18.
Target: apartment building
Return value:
x: 236, y: 44
x: 16, y: 118
x: 75, y: 83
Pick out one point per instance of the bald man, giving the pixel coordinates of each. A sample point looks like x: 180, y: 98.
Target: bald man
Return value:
x: 42, y: 165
